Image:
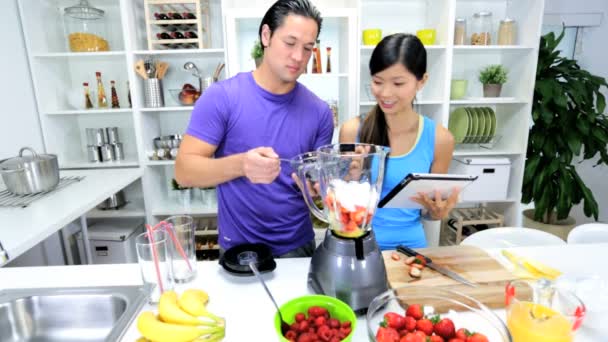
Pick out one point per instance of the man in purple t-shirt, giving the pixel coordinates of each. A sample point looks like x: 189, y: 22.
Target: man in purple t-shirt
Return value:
x: 240, y: 128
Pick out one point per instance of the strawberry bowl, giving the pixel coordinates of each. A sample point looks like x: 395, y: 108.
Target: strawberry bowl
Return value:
x: 415, y: 313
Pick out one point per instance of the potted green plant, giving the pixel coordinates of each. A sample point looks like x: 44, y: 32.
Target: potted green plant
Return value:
x: 492, y: 77
x: 569, y: 121
x: 257, y: 53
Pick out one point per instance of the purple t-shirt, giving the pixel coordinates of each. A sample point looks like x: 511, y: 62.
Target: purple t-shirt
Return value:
x: 237, y: 115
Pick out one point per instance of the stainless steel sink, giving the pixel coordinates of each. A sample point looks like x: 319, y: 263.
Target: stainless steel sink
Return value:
x: 69, y: 314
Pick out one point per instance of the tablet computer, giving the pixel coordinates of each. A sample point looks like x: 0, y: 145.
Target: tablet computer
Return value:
x: 414, y: 183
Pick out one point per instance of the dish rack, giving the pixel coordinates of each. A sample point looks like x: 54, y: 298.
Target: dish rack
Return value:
x: 454, y: 228
x: 9, y: 200
x: 479, y: 141
x: 199, y: 24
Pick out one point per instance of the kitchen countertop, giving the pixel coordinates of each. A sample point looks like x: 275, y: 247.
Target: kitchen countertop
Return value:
x: 23, y: 228
x: 246, y: 307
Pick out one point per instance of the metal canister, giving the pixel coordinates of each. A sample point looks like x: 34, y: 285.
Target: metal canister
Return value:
x: 100, y: 137
x: 153, y: 93
x: 94, y: 154
x: 119, y: 152
x: 90, y: 132
x: 112, y: 135
x: 107, y: 153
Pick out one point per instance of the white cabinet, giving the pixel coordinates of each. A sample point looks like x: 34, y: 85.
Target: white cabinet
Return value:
x: 58, y: 76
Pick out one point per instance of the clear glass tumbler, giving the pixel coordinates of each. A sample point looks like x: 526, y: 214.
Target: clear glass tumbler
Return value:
x: 183, y: 249
x: 156, y: 273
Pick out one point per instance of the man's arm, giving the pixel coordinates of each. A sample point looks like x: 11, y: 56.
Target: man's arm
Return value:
x: 196, y: 167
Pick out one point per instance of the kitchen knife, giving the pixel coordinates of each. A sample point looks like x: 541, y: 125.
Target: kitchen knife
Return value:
x: 410, y: 252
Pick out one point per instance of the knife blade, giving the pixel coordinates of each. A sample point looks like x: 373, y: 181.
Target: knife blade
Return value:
x: 429, y: 263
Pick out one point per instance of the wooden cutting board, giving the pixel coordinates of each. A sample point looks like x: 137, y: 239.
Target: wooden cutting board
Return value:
x: 470, y: 262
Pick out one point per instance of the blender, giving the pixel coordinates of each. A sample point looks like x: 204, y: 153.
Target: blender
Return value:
x: 348, y: 264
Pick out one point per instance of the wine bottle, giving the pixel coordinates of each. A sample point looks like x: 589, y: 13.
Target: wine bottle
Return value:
x: 175, y: 16
x: 177, y: 35
x: 102, y: 101
x: 191, y: 35
x: 188, y: 15
x: 161, y: 16
x: 163, y: 35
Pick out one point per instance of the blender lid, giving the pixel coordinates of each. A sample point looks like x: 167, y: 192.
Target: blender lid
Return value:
x: 231, y: 260
x: 84, y: 11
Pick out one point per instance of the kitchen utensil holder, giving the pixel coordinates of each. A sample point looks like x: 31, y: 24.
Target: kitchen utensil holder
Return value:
x: 119, y: 152
x: 153, y: 93
x: 107, y: 153
x: 112, y: 133
x: 94, y: 154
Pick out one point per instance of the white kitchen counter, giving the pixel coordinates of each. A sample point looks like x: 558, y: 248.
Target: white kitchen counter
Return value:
x: 246, y: 307
x: 23, y: 228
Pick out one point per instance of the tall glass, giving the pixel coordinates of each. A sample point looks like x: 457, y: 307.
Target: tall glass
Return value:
x: 539, y: 311
x: 183, y: 255
x: 157, y: 273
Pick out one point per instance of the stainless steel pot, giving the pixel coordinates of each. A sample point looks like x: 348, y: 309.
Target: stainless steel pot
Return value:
x: 115, y: 201
x: 24, y: 175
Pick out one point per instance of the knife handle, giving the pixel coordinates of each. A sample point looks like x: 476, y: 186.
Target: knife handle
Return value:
x: 411, y: 252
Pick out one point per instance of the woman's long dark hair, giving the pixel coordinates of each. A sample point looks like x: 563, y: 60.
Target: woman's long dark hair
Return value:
x: 402, y: 48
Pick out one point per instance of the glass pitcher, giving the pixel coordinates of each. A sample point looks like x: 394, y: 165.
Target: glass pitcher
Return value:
x: 348, y: 177
x: 539, y: 311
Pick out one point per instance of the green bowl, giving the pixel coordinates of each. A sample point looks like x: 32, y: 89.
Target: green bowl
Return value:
x: 337, y: 309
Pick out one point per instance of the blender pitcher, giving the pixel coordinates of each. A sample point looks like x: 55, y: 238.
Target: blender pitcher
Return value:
x: 348, y: 177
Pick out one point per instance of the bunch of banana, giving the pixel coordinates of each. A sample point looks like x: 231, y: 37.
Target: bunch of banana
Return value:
x: 182, y: 319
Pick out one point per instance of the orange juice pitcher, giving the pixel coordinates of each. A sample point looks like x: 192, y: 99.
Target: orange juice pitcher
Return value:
x: 539, y: 311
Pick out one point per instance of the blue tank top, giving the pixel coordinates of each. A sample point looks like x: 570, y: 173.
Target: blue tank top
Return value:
x: 394, y: 226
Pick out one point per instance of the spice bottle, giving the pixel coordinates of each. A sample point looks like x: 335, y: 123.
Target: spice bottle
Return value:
x: 314, y: 60
x: 115, y: 103
x: 88, y: 104
x: 318, y: 56
x: 328, y: 64
x: 102, y: 101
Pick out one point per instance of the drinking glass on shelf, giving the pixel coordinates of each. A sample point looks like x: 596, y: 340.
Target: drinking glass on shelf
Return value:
x: 154, y: 262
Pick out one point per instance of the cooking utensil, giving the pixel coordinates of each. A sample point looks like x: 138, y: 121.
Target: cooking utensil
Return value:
x: 161, y: 69
x: 217, y: 72
x: 141, y: 69
x: 115, y: 201
x: 189, y: 66
x: 251, y: 258
x: 24, y: 175
x: 429, y: 263
x: 150, y: 67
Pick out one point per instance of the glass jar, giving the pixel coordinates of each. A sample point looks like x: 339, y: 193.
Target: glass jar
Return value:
x: 482, y: 29
x: 460, y: 31
x: 506, y: 32
x: 85, y: 28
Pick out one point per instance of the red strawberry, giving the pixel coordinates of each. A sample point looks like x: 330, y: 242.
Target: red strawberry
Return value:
x: 456, y: 340
x: 462, y: 334
x: 411, y: 337
x: 436, y: 338
x: 410, y: 323
x: 415, y: 311
x: 477, y: 337
x: 387, y: 335
x: 394, y: 320
x: 445, y: 328
x: 426, y: 326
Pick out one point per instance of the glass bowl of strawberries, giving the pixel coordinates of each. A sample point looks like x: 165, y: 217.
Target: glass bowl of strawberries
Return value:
x: 415, y: 313
x: 316, y: 318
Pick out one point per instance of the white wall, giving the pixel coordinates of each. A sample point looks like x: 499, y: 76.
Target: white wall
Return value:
x: 19, y: 124
x: 591, y: 52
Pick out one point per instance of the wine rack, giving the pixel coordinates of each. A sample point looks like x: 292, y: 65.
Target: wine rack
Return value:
x: 177, y: 24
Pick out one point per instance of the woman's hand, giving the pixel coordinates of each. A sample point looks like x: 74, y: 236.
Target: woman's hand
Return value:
x: 437, y: 209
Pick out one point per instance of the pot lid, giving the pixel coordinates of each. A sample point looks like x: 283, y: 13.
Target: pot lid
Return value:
x: 21, y: 160
x: 84, y: 11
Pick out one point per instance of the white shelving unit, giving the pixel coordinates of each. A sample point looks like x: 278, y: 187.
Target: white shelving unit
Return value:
x: 58, y: 76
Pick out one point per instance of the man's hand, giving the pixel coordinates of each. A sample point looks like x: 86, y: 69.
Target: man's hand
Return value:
x: 437, y: 209
x: 261, y: 165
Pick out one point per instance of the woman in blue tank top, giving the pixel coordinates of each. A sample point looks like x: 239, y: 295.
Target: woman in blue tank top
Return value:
x: 398, y: 70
